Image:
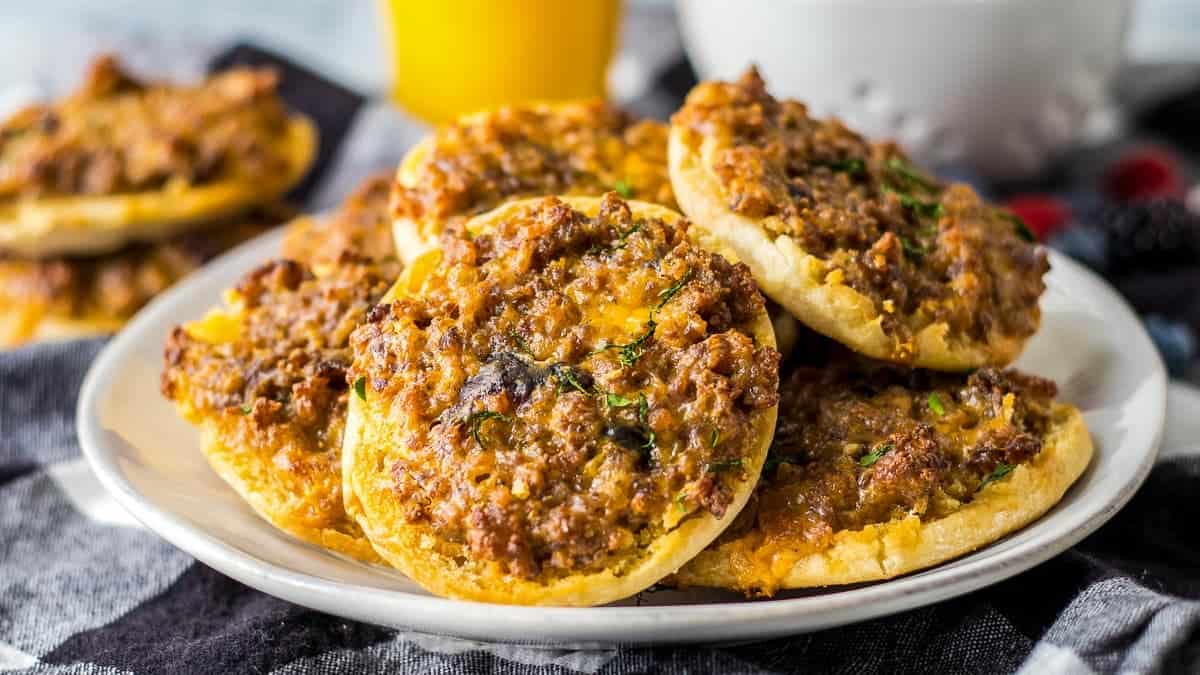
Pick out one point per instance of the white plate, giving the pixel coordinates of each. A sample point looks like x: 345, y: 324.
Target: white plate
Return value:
x: 1091, y: 343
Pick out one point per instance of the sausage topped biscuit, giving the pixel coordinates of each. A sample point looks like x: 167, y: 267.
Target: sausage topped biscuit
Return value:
x: 70, y: 297
x: 877, y: 471
x: 482, y: 160
x: 562, y: 410
x: 361, y: 227
x: 850, y: 237
x: 265, y: 380
x: 122, y: 160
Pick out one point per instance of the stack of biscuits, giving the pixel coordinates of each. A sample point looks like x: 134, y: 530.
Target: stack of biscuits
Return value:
x: 565, y: 354
x: 112, y: 194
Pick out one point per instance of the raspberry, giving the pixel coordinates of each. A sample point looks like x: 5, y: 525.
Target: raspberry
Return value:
x: 1043, y: 214
x: 1144, y: 174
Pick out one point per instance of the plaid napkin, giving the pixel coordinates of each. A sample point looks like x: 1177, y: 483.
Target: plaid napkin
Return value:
x: 84, y: 588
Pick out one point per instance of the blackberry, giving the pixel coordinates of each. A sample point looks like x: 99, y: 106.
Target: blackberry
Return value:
x: 1149, y: 236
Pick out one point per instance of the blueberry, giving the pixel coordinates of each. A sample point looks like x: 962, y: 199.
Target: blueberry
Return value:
x: 1088, y: 245
x: 1175, y: 341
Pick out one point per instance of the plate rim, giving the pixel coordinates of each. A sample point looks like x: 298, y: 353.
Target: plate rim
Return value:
x: 579, y: 626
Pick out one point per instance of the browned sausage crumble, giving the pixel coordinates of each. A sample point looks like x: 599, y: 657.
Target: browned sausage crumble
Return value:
x: 112, y: 287
x: 276, y: 387
x: 567, y: 383
x: 920, y: 250
x: 361, y: 227
x: 585, y: 148
x: 860, y: 443
x: 117, y: 134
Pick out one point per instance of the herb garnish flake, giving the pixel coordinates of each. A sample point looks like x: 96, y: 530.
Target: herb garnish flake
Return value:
x: 876, y: 453
x: 853, y: 166
x: 910, y: 174
x: 567, y: 379
x: 522, y: 345
x: 643, y: 415
x: 723, y: 465
x: 632, y: 351
x: 911, y: 248
x: 612, y: 400
x: 665, y: 295
x: 999, y: 472
x: 1019, y: 225
x: 921, y: 208
x: 476, y: 420
x: 774, y: 460
x: 624, y: 236
x: 935, y: 404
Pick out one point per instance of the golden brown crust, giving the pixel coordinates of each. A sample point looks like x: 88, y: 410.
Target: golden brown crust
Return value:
x: 852, y: 239
x: 19, y: 328
x: 361, y: 228
x: 877, y: 474
x: 66, y: 298
x: 264, y: 379
x: 483, y: 160
x: 563, y: 410
x: 123, y: 161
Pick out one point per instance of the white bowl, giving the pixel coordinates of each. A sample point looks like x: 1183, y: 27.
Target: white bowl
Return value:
x: 999, y: 86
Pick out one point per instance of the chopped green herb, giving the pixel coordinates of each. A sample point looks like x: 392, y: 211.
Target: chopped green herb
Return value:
x: 723, y: 465
x: 665, y: 295
x: 911, y: 248
x: 643, y: 411
x: 1000, y: 471
x: 246, y: 410
x: 360, y: 388
x: 875, y: 453
x: 680, y: 501
x: 935, y: 404
x: 853, y: 166
x: 623, y: 239
x: 632, y: 351
x: 612, y: 400
x: 1019, y: 225
x: 921, y: 208
x: 624, y: 189
x: 522, y: 345
x: 910, y: 174
x: 476, y: 420
x: 714, y: 438
x: 567, y: 379
x: 774, y: 460
x: 643, y: 415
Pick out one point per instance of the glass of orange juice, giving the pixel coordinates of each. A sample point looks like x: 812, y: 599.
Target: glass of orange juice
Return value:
x: 452, y: 57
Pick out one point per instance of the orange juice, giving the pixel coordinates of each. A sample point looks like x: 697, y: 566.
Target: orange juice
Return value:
x: 458, y: 56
